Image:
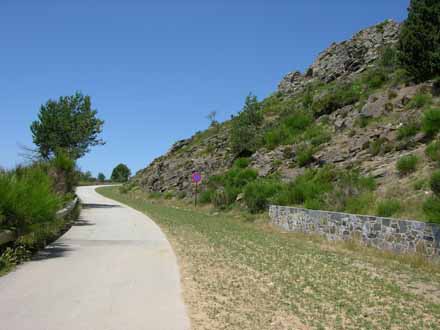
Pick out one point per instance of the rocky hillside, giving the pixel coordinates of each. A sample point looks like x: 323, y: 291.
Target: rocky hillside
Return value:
x: 365, y: 116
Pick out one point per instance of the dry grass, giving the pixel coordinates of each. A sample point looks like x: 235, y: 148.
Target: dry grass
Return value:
x: 239, y: 274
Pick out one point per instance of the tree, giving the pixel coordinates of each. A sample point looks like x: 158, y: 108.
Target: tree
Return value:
x: 121, y: 173
x: 68, y: 125
x: 244, y: 132
x: 419, y: 43
x: 101, y: 177
x: 212, y: 118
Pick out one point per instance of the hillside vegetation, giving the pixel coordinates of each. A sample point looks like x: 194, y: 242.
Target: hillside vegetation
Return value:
x: 353, y: 134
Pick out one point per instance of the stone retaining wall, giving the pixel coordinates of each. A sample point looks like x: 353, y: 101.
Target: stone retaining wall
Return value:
x: 402, y: 236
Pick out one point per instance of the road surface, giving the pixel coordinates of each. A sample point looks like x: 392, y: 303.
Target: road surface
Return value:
x: 113, y: 270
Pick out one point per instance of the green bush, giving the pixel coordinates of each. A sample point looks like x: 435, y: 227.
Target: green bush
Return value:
x: 27, y: 197
x: 419, y: 44
x: 433, y: 151
x: 304, y: 155
x: 257, y: 194
x: 230, y: 184
x: 206, y: 196
x: 289, y: 130
x: 431, y: 121
x: 434, y: 183
x: 242, y: 162
x: 408, y: 130
x: 311, y: 187
x: 388, y: 208
x: 336, y: 98
x: 220, y: 199
x: 420, y: 100
x: 317, y: 135
x: 380, y: 146
x: 407, y: 164
x: 431, y: 208
x: 375, y: 79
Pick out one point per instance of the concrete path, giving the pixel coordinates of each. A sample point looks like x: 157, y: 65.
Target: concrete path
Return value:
x: 113, y: 270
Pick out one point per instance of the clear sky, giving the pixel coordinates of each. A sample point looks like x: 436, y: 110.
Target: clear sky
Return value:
x: 155, y: 69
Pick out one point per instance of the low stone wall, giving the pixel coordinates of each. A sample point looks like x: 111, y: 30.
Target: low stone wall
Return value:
x: 402, y: 236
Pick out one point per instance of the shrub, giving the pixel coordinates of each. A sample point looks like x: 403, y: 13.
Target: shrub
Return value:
x: 317, y: 135
x: 419, y: 43
x: 375, y: 79
x: 242, y: 162
x: 433, y: 151
x: 380, y: 146
x: 257, y: 194
x: 27, y: 197
x: 420, y: 100
x: 407, y: 164
x: 431, y: 208
x: 388, y: 208
x: 431, y: 121
x: 304, y: 155
x: 220, y: 199
x: 311, y: 187
x: 206, y: 196
x: 408, y: 130
x: 338, y: 97
x: 289, y: 130
x: 434, y: 183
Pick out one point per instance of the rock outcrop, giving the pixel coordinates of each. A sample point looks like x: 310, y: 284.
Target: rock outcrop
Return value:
x: 342, y: 60
x: 351, y: 143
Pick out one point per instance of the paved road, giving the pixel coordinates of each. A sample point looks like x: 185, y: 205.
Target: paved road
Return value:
x: 113, y: 270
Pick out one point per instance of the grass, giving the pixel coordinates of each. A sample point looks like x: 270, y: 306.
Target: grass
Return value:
x: 239, y: 274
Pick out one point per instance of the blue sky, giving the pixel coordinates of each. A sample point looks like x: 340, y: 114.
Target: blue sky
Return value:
x: 155, y: 69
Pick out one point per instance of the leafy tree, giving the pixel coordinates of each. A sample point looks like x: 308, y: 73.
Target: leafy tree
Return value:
x: 121, y: 173
x: 69, y: 124
x: 419, y: 43
x: 101, y: 177
x: 244, y: 132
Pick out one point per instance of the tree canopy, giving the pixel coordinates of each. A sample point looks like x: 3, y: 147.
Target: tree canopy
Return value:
x: 68, y: 124
x: 419, y: 43
x: 120, y: 173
